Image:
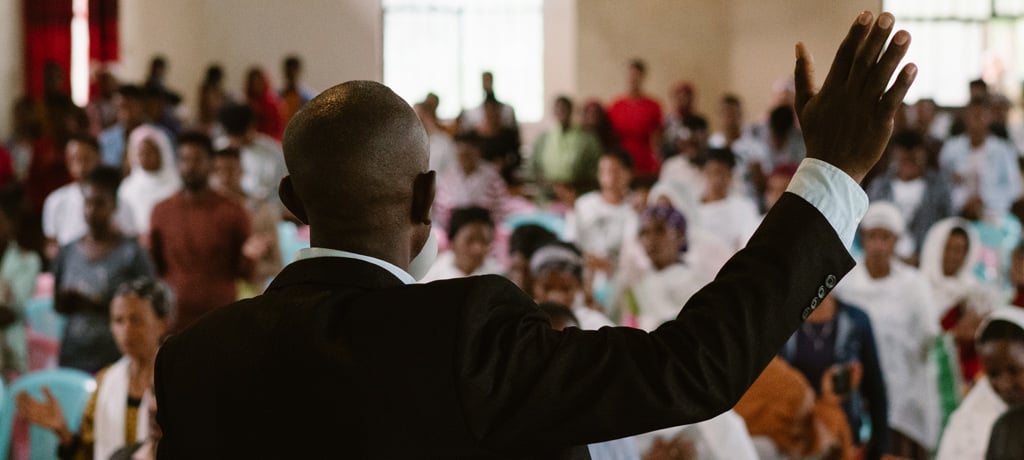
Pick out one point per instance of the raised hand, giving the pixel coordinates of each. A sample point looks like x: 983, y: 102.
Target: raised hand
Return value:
x: 848, y: 122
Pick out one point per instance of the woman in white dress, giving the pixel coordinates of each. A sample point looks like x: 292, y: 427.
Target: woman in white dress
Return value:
x: 154, y: 174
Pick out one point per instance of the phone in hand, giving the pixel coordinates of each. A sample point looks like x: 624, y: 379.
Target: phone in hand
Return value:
x: 841, y: 380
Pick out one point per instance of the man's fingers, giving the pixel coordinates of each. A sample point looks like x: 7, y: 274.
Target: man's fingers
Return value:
x: 843, y: 61
x: 882, y: 72
x: 803, y: 77
x: 868, y: 53
x: 892, y: 99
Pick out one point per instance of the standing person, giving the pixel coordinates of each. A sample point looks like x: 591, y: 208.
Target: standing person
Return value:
x: 921, y: 195
x: 637, y: 118
x: 472, y: 119
x: 293, y: 94
x: 88, y: 271
x: 130, y: 115
x: 226, y: 179
x: 595, y: 120
x: 261, y: 98
x: 261, y: 155
x: 152, y: 178
x: 899, y: 302
x: 18, y: 271
x: 487, y: 374
x: 201, y: 260
x: 565, y: 156
x: 838, y: 338
x: 63, y: 220
x: 470, y: 182
x: 982, y: 168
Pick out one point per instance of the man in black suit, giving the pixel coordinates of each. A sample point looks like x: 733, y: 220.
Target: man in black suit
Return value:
x: 343, y: 358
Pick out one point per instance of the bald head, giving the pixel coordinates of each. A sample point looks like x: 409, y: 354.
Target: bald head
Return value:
x: 356, y: 143
x: 355, y: 154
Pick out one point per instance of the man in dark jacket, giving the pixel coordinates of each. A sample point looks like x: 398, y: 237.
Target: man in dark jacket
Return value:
x: 343, y: 357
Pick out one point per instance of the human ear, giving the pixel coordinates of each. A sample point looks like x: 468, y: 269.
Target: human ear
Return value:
x: 423, y: 190
x: 291, y: 200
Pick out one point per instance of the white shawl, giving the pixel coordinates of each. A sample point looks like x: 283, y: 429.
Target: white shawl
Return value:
x: 966, y: 435
x: 964, y: 285
x: 110, y: 410
x: 142, y: 189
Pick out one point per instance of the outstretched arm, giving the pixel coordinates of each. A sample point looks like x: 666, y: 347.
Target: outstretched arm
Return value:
x: 525, y: 386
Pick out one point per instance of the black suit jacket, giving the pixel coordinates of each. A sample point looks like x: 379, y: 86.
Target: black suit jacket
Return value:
x: 339, y: 359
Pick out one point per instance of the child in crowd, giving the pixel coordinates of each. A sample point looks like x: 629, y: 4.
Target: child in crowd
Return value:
x: 471, y: 232
x: 558, y: 277
x: 525, y: 240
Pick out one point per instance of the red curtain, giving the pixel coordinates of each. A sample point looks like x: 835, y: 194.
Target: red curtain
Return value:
x: 47, y: 38
x: 103, y: 30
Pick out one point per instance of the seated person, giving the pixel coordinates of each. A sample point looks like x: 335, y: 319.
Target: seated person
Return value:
x: 788, y: 422
x: 601, y: 219
x: 115, y: 415
x: 1000, y: 345
x: 471, y: 232
x: 839, y: 337
x: 88, y: 271
x: 62, y: 211
x: 669, y: 282
x: 471, y: 182
x: 558, y: 277
x: 18, y: 270
x: 525, y: 240
x: 731, y: 216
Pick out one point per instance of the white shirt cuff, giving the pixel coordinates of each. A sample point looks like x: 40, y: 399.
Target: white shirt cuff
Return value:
x: 834, y: 193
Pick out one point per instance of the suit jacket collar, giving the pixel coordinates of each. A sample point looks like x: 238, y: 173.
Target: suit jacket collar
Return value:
x: 335, y: 271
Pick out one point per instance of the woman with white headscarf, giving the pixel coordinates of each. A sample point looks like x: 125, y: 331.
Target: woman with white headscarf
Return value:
x: 1000, y: 344
x: 154, y: 176
x: 949, y: 257
x: 898, y: 300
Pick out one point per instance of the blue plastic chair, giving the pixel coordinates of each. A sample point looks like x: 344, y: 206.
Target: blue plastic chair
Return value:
x: 71, y: 387
x: 552, y: 222
x: 43, y: 319
x: 289, y: 242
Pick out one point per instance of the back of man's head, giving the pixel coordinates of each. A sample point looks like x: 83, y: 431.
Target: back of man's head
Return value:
x: 354, y: 153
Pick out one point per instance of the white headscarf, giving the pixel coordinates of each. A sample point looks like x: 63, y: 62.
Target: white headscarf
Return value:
x: 966, y: 436
x: 142, y: 189
x: 882, y: 214
x: 963, y: 286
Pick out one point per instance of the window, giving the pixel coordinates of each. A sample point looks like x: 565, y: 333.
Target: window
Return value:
x: 956, y: 41
x: 442, y: 46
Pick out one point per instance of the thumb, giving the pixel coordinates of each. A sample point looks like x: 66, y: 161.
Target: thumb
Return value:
x: 50, y: 399
x: 803, y: 77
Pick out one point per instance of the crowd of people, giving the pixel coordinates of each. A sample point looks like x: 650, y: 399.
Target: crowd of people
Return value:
x: 148, y: 219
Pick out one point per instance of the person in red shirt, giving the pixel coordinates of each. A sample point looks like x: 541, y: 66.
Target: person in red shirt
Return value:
x: 636, y: 118
x: 200, y: 240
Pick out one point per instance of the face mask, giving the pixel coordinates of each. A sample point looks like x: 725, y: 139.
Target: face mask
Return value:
x: 421, y: 263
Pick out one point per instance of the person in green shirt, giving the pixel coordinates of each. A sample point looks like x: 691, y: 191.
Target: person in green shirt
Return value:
x: 564, y: 160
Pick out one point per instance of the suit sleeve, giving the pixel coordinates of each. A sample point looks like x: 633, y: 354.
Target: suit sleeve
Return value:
x: 522, y: 384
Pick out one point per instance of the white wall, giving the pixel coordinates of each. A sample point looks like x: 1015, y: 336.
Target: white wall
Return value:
x: 11, y: 62
x: 339, y: 39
